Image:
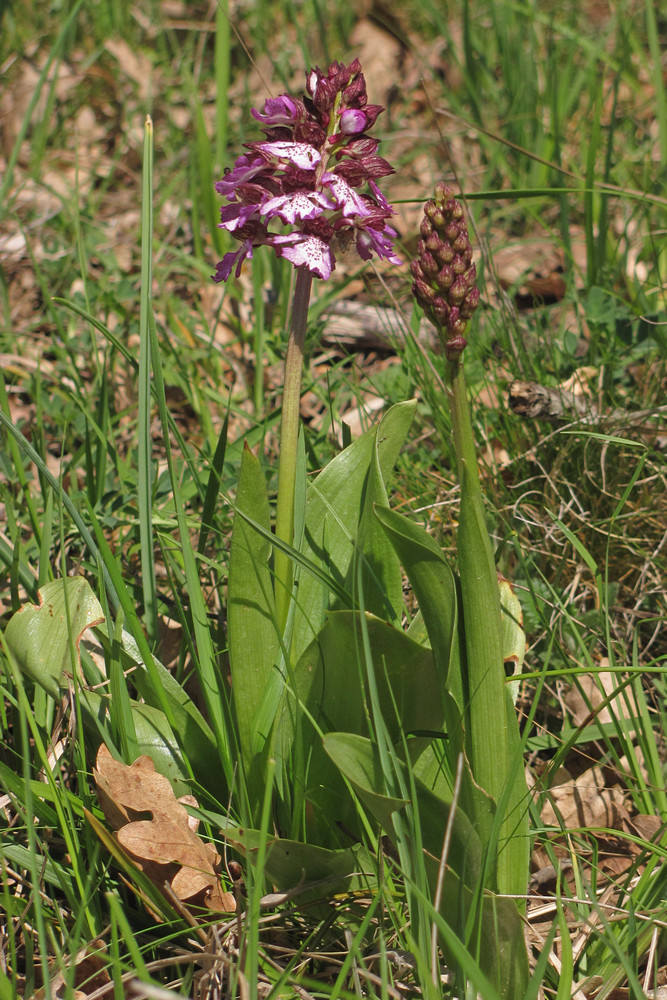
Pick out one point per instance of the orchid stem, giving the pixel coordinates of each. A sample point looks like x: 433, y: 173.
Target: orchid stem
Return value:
x: 493, y: 742
x: 289, y: 438
x: 481, y: 600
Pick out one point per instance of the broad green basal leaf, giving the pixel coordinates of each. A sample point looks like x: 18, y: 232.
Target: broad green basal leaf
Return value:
x: 251, y: 616
x: 329, y: 678
x: 44, y: 639
x: 335, y: 509
x: 435, y: 589
x: 501, y: 949
x: 330, y: 684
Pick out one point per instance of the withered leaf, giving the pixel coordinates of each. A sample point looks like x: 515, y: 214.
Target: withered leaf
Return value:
x: 168, y: 840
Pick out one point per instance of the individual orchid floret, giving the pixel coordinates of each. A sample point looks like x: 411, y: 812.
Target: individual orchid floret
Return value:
x: 307, y: 174
x: 444, y: 274
x: 283, y: 110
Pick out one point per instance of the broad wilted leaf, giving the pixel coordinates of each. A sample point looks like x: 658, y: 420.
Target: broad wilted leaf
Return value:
x: 166, y: 842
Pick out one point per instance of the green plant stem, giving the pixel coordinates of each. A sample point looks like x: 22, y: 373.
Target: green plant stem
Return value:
x: 492, y: 738
x: 480, y: 594
x: 289, y: 437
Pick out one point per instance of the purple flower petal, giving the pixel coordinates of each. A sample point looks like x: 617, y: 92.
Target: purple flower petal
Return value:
x: 235, y: 215
x: 346, y: 198
x: 297, y: 205
x: 243, y: 170
x: 369, y: 240
x: 306, y: 251
x: 283, y: 179
x: 300, y: 154
x: 223, y: 268
x: 283, y: 110
x: 380, y: 198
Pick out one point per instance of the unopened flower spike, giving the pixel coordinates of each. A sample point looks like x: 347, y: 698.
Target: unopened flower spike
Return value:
x: 444, y: 274
x: 304, y: 175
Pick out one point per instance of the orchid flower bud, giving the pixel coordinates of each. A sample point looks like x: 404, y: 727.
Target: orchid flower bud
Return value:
x: 444, y: 275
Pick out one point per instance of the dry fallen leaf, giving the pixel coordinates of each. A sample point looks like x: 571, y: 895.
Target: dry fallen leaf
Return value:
x: 585, y: 801
x: 166, y: 848
x: 90, y: 965
x: 584, y: 700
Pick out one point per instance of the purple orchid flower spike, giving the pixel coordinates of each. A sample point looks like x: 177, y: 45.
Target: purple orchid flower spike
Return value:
x: 445, y: 278
x: 309, y: 191
x: 304, y: 175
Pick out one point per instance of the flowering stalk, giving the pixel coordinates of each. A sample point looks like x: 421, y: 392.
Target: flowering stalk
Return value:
x: 445, y: 286
x: 304, y: 175
x: 289, y: 436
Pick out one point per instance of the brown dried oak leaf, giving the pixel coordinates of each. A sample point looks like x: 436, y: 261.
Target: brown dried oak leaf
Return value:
x: 166, y: 848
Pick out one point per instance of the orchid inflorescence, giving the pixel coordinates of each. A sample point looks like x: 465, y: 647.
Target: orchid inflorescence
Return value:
x: 444, y: 274
x: 305, y: 173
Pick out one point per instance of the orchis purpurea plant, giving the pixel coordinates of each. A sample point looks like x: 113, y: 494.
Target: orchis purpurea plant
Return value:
x: 290, y: 683
x: 305, y: 175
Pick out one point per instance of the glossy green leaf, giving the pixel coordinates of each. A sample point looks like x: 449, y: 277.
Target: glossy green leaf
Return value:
x: 44, y: 639
x: 358, y: 760
x: 337, y: 507
x: 251, y: 621
x: 329, y: 677
x: 494, y: 939
x: 329, y: 682
x: 354, y: 756
x: 498, y: 928
x: 378, y: 576
x: 493, y: 741
x: 195, y: 734
x: 435, y: 588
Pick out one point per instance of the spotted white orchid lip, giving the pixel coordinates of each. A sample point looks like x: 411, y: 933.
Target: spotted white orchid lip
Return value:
x: 304, y: 175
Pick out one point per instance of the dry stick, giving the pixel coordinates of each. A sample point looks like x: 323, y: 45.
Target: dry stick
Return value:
x: 530, y: 399
x: 437, y: 898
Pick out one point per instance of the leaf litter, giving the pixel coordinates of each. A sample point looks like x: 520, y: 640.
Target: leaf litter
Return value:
x: 166, y: 847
